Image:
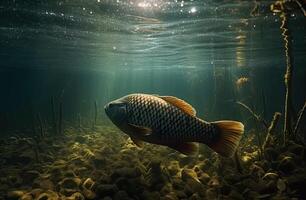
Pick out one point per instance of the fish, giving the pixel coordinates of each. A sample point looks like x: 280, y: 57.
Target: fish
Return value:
x: 241, y: 81
x: 172, y: 122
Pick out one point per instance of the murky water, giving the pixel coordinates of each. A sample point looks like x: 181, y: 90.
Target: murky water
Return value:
x: 61, y: 61
x: 99, y: 50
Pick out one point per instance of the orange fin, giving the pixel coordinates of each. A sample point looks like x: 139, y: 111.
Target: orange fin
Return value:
x: 187, y: 148
x: 139, y: 129
x: 136, y: 141
x: 230, y: 135
x: 181, y: 104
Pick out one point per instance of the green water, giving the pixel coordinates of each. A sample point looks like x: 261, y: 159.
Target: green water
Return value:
x: 61, y: 61
x: 85, y: 51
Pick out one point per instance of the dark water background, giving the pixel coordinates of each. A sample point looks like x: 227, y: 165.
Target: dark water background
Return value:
x: 82, y: 51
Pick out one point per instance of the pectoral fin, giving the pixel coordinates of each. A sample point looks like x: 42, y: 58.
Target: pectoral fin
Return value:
x: 137, y: 142
x: 139, y: 129
x: 188, y: 148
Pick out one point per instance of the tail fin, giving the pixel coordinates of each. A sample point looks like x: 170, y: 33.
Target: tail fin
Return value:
x: 230, y: 135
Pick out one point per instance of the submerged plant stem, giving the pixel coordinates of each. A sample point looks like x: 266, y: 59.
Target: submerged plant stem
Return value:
x: 301, y: 114
x: 40, y: 125
x: 96, y: 112
x: 60, y: 118
x: 271, y: 129
x: 256, y: 116
x: 288, y: 77
x: 54, y: 124
x: 301, y: 7
x: 79, y: 120
x: 259, y: 119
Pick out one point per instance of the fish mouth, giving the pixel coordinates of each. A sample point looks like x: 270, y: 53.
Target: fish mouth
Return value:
x: 106, y: 106
x: 106, y: 109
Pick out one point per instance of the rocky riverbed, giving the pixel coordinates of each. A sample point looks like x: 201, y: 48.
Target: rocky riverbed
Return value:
x: 105, y: 164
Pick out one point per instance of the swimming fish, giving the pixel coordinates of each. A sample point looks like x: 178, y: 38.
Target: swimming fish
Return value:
x: 241, y: 81
x: 172, y: 122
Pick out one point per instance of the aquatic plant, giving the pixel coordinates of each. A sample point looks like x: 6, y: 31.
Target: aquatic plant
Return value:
x: 96, y: 113
x: 288, y: 75
x: 299, y: 120
x: 79, y: 121
x: 259, y: 119
x: 54, y: 123
x: 40, y: 125
x: 271, y: 129
x: 283, y: 9
x: 60, y: 118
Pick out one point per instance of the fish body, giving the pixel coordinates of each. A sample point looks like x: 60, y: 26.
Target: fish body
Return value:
x: 169, y: 121
x: 241, y: 82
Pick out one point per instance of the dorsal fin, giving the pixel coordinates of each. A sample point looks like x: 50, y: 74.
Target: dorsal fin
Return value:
x: 181, y: 104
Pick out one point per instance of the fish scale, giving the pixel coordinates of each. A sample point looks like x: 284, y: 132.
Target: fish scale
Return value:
x: 170, y: 123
